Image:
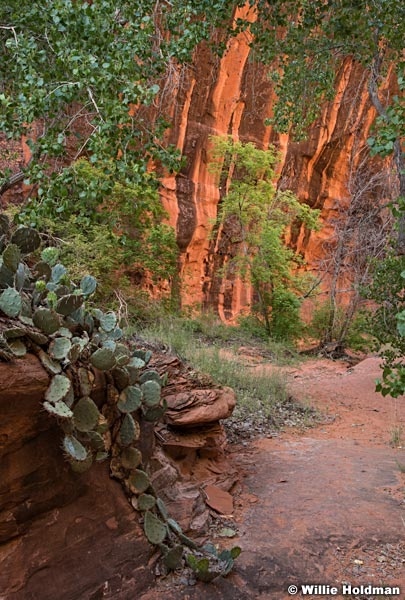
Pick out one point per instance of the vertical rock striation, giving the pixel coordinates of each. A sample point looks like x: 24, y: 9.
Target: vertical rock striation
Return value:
x: 233, y: 95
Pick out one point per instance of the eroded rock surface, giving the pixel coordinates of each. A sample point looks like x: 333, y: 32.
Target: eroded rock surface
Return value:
x: 69, y: 536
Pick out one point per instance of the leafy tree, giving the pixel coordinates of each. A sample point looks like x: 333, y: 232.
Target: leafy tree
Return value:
x: 257, y: 216
x: 81, y: 82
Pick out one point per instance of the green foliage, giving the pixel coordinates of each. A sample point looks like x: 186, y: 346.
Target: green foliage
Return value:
x: 257, y: 216
x: 386, y: 322
x: 317, y: 37
x: 324, y: 328
x: 120, y: 228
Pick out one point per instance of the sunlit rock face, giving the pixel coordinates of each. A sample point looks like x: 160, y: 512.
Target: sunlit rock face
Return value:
x: 233, y: 95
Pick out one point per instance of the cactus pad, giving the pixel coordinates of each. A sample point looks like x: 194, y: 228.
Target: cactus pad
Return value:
x: 131, y: 458
x: 85, y: 414
x: 103, y: 359
x: 151, y: 393
x: 139, y: 482
x: 129, y: 430
x: 10, y: 302
x: 68, y: 304
x: 86, y: 380
x: 150, y: 375
x: 57, y: 272
x: 18, y: 348
x: 155, y: 530
x: 53, y: 367
x: 121, y: 378
x: 59, y: 409
x: 74, y: 449
x: 14, y: 332
x: 146, y: 502
x: 172, y: 557
x: 130, y: 399
x: 46, y: 320
x: 81, y: 466
x: 96, y: 441
x: 88, y: 285
x: 11, y: 257
x: 108, y: 321
x: 60, y: 348
x: 27, y: 239
x: 58, y: 389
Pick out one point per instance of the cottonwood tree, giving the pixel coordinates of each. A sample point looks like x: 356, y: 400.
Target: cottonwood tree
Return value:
x: 256, y: 216
x: 79, y: 83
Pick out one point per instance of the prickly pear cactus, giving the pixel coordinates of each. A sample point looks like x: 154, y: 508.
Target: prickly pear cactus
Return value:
x: 49, y: 315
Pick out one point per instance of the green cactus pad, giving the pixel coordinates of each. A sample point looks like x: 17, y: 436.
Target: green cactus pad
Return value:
x: 10, y: 302
x: 53, y: 367
x: 108, y: 321
x: 85, y: 414
x: 103, y: 359
x: 74, y: 449
x: 57, y: 272
x: 42, y: 271
x: 131, y: 458
x: 6, y: 276
x: 111, y: 345
x: 151, y: 393
x: 37, y: 337
x: 59, y: 348
x: 96, y: 441
x: 154, y: 414
x: 121, y: 378
x: 139, y: 481
x: 14, y: 332
x: 174, y: 526
x: 150, y: 375
x: 62, y: 290
x: 88, y: 285
x: 130, y: 399
x: 129, y: 430
x: 146, y: 502
x: 18, y: 348
x: 144, y: 355
x: 69, y: 304
x: 46, y: 320
x: 58, y: 389
x: 21, y: 277
x: 155, y: 530
x: 136, y: 362
x: 11, y: 257
x: 50, y: 255
x: 81, y: 466
x: 59, y: 409
x: 162, y: 509
x: 27, y: 239
x: 116, y: 334
x: 100, y: 456
x: 172, y: 557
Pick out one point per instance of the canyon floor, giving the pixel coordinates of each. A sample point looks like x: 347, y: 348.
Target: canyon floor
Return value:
x: 324, y: 505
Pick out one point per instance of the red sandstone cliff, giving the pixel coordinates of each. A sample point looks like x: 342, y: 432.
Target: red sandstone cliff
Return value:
x: 233, y: 95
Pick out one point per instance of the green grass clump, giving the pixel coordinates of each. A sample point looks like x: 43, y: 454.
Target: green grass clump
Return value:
x: 211, y: 347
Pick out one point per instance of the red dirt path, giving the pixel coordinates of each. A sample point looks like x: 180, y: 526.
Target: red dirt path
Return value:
x: 326, y: 506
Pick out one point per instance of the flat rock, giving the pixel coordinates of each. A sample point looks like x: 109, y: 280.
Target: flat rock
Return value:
x: 218, y: 499
x: 199, y: 407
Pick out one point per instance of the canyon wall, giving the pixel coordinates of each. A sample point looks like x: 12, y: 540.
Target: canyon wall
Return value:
x: 233, y: 95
